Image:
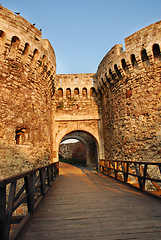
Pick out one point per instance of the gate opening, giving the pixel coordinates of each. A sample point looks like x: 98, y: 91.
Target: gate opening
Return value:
x: 72, y: 151
x: 79, y: 148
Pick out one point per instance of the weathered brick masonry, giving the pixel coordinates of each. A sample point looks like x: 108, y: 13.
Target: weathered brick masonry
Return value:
x: 116, y: 112
x: 27, y: 66
x: 129, y: 84
x: 73, y: 150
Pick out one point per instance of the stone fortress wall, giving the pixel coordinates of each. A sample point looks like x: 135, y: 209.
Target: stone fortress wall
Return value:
x: 27, y: 70
x: 117, y: 110
x: 74, y: 150
x: 129, y: 85
x: 77, y: 112
x: 75, y: 93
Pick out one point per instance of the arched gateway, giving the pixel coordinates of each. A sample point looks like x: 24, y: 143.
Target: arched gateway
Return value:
x: 77, y: 116
x: 90, y: 144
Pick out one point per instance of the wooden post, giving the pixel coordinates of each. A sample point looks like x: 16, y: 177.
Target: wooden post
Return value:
x: 126, y: 171
x: 2, y: 213
x: 116, y: 169
x: 49, y: 175
x: 53, y: 173
x: 10, y: 208
x: 139, y: 176
x: 42, y: 181
x: 29, y: 184
x: 144, y: 174
x: 109, y: 166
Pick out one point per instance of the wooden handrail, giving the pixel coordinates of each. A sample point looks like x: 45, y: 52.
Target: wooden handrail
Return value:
x: 134, y: 173
x: 27, y: 194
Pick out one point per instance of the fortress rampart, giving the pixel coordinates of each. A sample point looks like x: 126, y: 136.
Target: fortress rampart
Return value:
x: 142, y: 49
x: 77, y: 112
x: 115, y: 113
x: 75, y: 94
x: 129, y: 85
x: 27, y: 70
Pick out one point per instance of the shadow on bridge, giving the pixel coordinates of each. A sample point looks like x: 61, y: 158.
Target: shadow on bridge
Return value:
x: 84, y: 204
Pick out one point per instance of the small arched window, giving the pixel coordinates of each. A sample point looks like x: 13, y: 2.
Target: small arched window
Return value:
x: 21, y: 135
x: 92, y: 92
x: 14, y: 46
x: 84, y: 92
x: 107, y: 79
x: 133, y: 61
x: 124, y: 66
x: 111, y: 76
x: 35, y: 55
x: 26, y: 49
x: 43, y: 60
x: 156, y: 52
x: 2, y: 35
x: 60, y: 92
x: 15, y: 41
x: 68, y: 93
x: 76, y: 92
x: 144, y: 57
x: 117, y: 71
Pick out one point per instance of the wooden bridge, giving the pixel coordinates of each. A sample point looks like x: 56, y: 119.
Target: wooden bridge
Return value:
x: 85, y: 204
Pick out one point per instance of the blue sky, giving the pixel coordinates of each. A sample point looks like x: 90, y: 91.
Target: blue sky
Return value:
x: 83, y: 31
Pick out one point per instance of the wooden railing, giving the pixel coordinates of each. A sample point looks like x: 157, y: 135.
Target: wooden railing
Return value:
x: 21, y: 194
x: 144, y: 175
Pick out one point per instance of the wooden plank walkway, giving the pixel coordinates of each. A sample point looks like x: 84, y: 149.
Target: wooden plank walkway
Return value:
x: 84, y: 204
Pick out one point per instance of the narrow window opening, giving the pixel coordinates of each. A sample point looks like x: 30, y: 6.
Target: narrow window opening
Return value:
x: 2, y: 34
x: 117, y: 71
x: 35, y: 54
x: 107, y: 79
x: 60, y: 81
x: 21, y: 136
x: 144, y: 57
x: 44, y: 60
x: 103, y: 82
x: 111, y: 75
x: 60, y: 92
x: 14, y: 46
x: 76, y: 80
x: 134, y: 62
x: 124, y: 66
x: 156, y: 52
x: 84, y: 92
x: 68, y: 93
x: 76, y: 92
x: 92, y: 92
x: 26, y: 49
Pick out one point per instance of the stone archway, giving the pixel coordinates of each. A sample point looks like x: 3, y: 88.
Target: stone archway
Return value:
x: 90, y: 144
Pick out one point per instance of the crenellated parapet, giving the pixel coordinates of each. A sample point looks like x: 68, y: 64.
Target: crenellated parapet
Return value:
x: 79, y: 85
x: 21, y: 43
x: 75, y: 93
x: 77, y: 114
x: 142, y: 53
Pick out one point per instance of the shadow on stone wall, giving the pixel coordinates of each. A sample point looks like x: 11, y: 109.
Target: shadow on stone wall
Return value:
x: 18, y: 159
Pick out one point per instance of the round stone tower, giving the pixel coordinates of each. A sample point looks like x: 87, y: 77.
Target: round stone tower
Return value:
x: 129, y: 84
x: 27, y: 70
